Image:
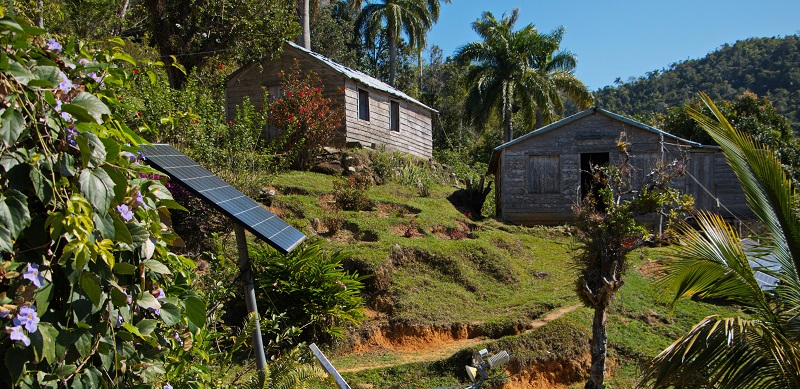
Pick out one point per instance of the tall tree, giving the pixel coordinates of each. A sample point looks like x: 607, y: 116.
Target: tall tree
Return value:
x: 188, y: 32
x: 761, y: 350
x: 519, y: 70
x: 610, y: 224
x: 396, y: 17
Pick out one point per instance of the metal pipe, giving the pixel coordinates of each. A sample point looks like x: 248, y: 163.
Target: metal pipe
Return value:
x: 250, y: 294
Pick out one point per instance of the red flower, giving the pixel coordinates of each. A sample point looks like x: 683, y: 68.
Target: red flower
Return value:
x: 119, y: 98
x: 288, y: 94
x: 230, y: 122
x: 138, y: 114
x: 135, y: 71
x: 221, y: 66
x: 291, y: 118
x: 316, y: 89
x: 280, y: 101
x: 196, y: 121
x: 302, y: 109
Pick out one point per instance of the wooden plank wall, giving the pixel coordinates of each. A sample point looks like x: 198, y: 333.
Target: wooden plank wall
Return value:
x: 415, y: 136
x: 521, y: 204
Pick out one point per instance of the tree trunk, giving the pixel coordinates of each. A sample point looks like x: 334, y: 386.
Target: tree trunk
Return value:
x: 40, y: 16
x: 392, y: 57
x: 305, y: 22
x: 507, y: 124
x: 599, y: 340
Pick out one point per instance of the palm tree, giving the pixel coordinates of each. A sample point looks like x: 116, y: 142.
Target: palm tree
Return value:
x: 396, y: 17
x: 761, y: 350
x: 514, y: 70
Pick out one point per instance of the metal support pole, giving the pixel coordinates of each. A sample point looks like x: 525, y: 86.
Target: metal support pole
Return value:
x: 250, y: 294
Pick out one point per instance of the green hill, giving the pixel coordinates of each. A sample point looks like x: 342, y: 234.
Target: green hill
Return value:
x: 765, y: 66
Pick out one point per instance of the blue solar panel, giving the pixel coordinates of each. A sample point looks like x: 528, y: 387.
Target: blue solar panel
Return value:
x: 234, y: 204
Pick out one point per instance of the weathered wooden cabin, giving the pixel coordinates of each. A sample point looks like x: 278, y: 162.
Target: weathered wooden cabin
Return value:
x: 376, y: 114
x: 540, y: 176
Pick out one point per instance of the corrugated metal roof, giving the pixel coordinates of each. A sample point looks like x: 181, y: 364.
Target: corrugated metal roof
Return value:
x: 590, y: 111
x: 365, y: 79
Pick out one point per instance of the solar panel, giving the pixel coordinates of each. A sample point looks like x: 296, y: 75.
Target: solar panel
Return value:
x: 234, y: 204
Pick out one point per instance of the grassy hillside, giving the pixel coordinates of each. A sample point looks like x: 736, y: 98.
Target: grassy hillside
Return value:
x: 443, y: 284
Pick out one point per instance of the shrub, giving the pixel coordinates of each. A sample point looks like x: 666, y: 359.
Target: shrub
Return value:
x: 349, y: 193
x: 89, y: 291
x: 303, y: 116
x: 310, y: 287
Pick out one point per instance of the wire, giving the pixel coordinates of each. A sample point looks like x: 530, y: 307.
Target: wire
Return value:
x: 719, y: 203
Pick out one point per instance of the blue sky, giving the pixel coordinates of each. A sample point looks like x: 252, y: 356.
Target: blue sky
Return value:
x: 624, y: 38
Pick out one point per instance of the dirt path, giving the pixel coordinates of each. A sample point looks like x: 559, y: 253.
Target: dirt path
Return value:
x: 444, y: 349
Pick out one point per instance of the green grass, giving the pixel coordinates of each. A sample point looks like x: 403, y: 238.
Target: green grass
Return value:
x: 499, y: 277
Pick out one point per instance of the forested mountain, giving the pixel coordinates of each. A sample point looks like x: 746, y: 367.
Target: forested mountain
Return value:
x: 766, y: 66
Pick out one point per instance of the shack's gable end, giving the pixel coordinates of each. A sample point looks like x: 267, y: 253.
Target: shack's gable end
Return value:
x: 539, y: 175
x: 413, y: 136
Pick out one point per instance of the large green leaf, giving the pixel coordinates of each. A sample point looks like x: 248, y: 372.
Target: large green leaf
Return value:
x: 91, y: 286
x: 98, y: 188
x: 157, y: 266
x: 92, y: 148
x: 147, y: 301
x: 44, y: 342
x: 146, y: 326
x: 14, y: 217
x: 20, y: 73
x: 13, y: 126
x: 47, y: 76
x: 170, y: 314
x: 120, y: 181
x: 92, y: 105
x: 195, y: 309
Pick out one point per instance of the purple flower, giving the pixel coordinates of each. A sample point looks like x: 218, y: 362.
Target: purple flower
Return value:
x: 4, y: 312
x: 128, y: 298
x: 119, y: 320
x: 140, y: 199
x: 167, y: 386
x: 17, y: 334
x: 58, y: 105
x: 32, y: 274
x: 83, y: 61
x: 53, y: 45
x: 26, y: 316
x: 161, y: 294
x: 126, y: 213
x: 96, y: 77
x: 67, y: 117
x: 66, y: 84
x: 131, y: 156
x: 72, y: 133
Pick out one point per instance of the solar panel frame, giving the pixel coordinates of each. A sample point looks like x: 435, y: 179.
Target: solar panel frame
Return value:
x: 225, y: 198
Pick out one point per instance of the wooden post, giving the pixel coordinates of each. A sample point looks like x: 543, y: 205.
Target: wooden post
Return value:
x: 250, y: 295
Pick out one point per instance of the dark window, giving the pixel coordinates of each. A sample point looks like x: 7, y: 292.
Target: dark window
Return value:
x: 544, y: 174
x: 394, y: 116
x: 363, y: 104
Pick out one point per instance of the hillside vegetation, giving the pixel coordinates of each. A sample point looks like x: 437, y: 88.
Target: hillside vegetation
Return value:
x: 765, y: 66
x: 443, y: 284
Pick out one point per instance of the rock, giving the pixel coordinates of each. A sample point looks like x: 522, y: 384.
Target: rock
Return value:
x: 330, y: 168
x: 316, y: 224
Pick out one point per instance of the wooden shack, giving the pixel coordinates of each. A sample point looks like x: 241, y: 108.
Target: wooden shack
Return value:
x: 542, y: 175
x: 377, y: 115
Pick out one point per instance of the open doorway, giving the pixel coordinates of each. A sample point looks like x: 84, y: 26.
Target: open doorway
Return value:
x: 587, y: 161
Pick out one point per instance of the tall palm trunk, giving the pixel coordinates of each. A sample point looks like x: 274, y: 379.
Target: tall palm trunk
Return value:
x: 599, y: 340
x: 392, y: 57
x: 508, y: 126
x: 305, y: 37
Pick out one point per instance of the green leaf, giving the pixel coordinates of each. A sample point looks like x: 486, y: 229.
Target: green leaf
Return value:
x: 124, y: 268
x: 121, y: 229
x: 97, y: 187
x: 15, y: 362
x: 13, y: 126
x: 195, y: 309
x: 41, y: 186
x: 170, y: 314
x: 139, y: 234
x: 120, y: 182
x: 48, y: 335
x: 91, y: 286
x: 43, y: 297
x: 124, y: 57
x: 92, y: 105
x: 14, y: 217
x: 20, y: 73
x: 105, y: 224
x: 83, y: 343
x: 65, y: 370
x: 117, y: 40
x: 148, y: 301
x: 50, y: 75
x: 112, y: 149
x: 77, y: 112
x: 66, y: 165
x: 146, y: 326
x: 157, y: 266
x: 92, y: 147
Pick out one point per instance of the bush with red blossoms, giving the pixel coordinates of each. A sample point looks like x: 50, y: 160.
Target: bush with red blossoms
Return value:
x: 305, y: 119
